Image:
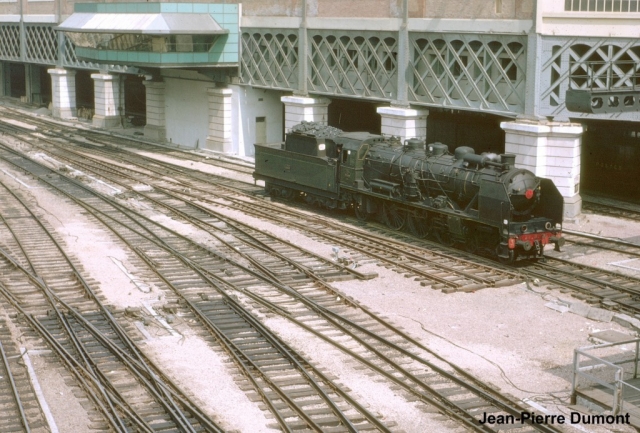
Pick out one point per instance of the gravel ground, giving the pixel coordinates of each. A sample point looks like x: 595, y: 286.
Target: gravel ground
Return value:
x: 507, y: 336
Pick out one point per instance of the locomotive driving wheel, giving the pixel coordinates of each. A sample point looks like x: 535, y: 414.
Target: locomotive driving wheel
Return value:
x: 443, y: 237
x: 418, y: 225
x: 394, y: 216
x: 471, y: 244
x: 287, y: 193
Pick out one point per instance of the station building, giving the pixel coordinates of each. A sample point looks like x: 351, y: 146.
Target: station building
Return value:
x: 552, y: 81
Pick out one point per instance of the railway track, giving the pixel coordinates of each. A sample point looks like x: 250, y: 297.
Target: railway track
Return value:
x: 601, y: 242
x: 268, y: 363
x: 613, y: 208
x: 161, y: 251
x: 594, y: 285
x: 436, y: 269
x: 44, y: 285
x: 19, y: 405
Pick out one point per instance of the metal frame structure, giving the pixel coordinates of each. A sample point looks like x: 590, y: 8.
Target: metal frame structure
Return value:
x: 481, y: 72
x: 477, y: 72
x: 42, y: 44
x: 610, y: 63
x: 468, y: 71
x: 594, y: 363
x: 353, y: 64
x: 270, y: 58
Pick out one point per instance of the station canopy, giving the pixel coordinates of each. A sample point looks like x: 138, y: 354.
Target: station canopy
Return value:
x: 143, y: 31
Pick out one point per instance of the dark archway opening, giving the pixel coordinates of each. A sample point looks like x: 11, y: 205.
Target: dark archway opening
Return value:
x: 44, y: 77
x: 135, y: 100
x: 85, y: 90
x: 354, y: 115
x: 480, y: 131
x: 610, y: 160
x: 17, y: 82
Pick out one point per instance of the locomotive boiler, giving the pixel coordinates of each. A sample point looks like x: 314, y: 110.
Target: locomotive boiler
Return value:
x: 481, y: 201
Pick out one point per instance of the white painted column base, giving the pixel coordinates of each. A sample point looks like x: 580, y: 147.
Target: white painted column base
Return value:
x: 298, y: 108
x: 155, y: 129
x: 63, y: 90
x: 550, y: 150
x: 219, y: 137
x: 107, y: 100
x: 403, y: 122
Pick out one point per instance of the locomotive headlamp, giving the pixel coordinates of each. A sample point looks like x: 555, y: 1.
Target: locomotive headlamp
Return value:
x: 529, y: 194
x: 558, y: 226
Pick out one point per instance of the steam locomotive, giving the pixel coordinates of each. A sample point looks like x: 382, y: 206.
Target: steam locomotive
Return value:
x: 480, y: 201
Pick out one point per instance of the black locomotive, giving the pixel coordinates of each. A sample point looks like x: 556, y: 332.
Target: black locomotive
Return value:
x: 480, y: 201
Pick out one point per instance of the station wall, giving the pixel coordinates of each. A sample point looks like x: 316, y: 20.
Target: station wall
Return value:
x: 187, y: 112
x: 251, y: 110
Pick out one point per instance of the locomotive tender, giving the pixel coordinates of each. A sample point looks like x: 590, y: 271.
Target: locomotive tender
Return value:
x: 481, y: 201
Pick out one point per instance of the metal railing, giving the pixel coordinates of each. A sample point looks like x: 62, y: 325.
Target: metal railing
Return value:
x: 602, y: 5
x: 586, y: 371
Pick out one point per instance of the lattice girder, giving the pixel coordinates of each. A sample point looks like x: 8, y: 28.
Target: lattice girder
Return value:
x: 270, y: 59
x: 41, y: 44
x: 353, y: 63
x: 9, y: 41
x: 485, y: 72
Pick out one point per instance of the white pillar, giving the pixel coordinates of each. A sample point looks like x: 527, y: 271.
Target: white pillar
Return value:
x: 156, y: 128
x: 219, y: 137
x: 550, y: 150
x: 403, y: 122
x: 63, y: 90
x: 107, y: 100
x: 298, y: 108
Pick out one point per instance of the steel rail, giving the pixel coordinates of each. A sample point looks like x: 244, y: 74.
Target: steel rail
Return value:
x: 96, y: 373
x: 161, y: 242
x: 174, y: 412
x: 471, y: 423
x: 363, y: 248
x: 161, y: 176
x: 257, y: 325
x: 81, y: 374
x: 14, y: 390
x: 324, y: 312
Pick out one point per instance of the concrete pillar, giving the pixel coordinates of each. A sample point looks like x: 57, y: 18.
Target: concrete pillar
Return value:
x: 219, y: 136
x: 107, y: 100
x: 63, y: 90
x: 299, y: 108
x: 403, y: 122
x: 156, y: 128
x: 550, y: 150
